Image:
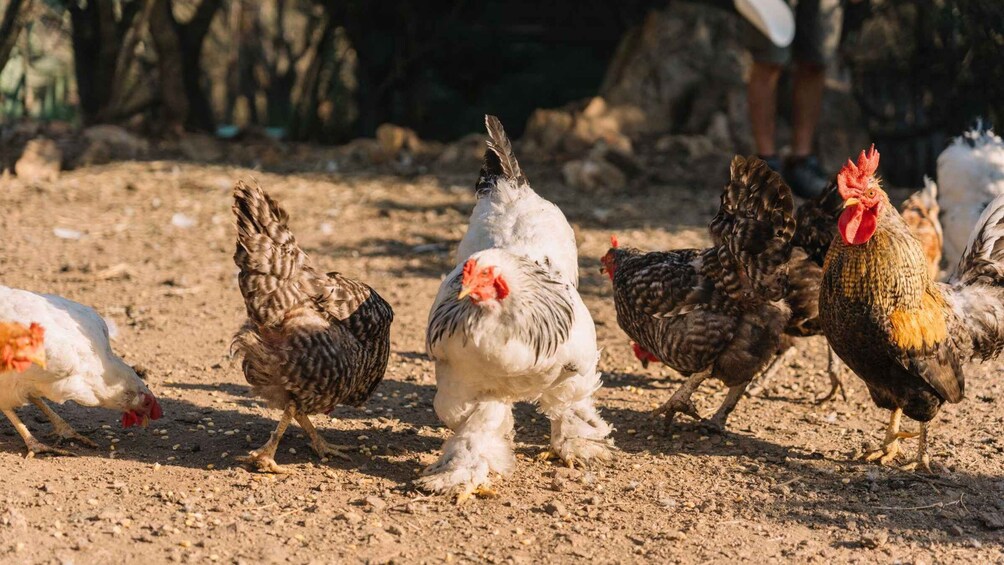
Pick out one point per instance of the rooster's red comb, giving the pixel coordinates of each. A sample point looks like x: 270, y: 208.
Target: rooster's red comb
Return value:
x: 613, y: 241
x: 853, y: 178
x: 37, y: 334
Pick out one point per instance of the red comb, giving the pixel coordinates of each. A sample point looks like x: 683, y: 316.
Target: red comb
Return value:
x: 853, y: 178
x: 613, y: 241
x: 37, y: 334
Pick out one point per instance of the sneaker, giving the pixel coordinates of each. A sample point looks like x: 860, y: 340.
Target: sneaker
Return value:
x: 805, y: 176
x: 774, y: 162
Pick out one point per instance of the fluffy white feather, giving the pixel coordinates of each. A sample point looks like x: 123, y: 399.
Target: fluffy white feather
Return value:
x: 970, y: 175
x: 81, y: 366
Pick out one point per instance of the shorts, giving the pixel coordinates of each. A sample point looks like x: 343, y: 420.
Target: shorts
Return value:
x: 817, y: 35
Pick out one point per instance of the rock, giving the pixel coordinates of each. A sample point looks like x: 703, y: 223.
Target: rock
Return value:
x: 555, y: 508
x: 120, y: 142
x: 41, y: 161
x: 201, y: 147
x: 546, y: 130
x: 992, y: 520
x: 393, y: 139
x: 593, y: 174
x: 375, y: 502
x: 350, y: 517
x: 468, y: 150
x: 874, y: 540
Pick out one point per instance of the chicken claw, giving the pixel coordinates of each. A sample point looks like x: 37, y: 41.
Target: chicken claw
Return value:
x: 321, y: 447
x: 833, y: 367
x: 680, y: 401
x: 61, y: 429
x: 264, y: 457
x: 471, y: 491
x: 890, y: 449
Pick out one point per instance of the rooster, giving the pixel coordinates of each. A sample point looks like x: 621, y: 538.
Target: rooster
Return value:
x: 716, y: 312
x: 901, y: 332
x: 817, y: 226
x: 970, y: 175
x: 311, y: 340
x: 508, y: 325
x: 78, y: 365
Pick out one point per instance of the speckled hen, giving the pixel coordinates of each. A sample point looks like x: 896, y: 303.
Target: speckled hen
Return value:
x: 312, y: 340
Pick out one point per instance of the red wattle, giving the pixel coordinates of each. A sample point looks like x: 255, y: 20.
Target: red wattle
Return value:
x: 155, y: 411
x: 857, y: 224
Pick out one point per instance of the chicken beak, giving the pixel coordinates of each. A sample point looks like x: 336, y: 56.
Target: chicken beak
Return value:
x: 464, y: 291
x: 38, y: 358
x: 145, y: 421
x: 851, y: 202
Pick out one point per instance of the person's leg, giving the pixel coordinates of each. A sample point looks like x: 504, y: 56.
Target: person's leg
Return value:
x: 807, y: 102
x: 762, y: 98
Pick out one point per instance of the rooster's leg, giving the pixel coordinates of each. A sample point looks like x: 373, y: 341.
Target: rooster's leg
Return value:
x: 264, y: 456
x: 34, y: 446
x: 61, y: 430
x: 890, y: 446
x: 771, y: 371
x: 680, y: 401
x: 923, y: 461
x: 717, y: 422
x: 833, y: 368
x: 322, y: 448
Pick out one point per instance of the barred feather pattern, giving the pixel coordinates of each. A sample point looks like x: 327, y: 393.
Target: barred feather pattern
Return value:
x: 681, y: 307
x: 316, y: 339
x: 753, y: 229
x: 500, y: 161
x: 537, y: 312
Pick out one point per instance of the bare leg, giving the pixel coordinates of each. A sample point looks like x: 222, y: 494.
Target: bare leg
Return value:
x: 34, y: 446
x: 680, y: 401
x: 890, y: 446
x: 60, y: 428
x: 321, y: 447
x: 922, y: 461
x: 771, y: 371
x: 762, y: 96
x: 833, y: 368
x: 728, y: 405
x: 264, y: 456
x: 807, y: 101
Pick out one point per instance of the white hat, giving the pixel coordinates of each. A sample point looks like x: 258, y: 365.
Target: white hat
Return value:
x: 772, y: 17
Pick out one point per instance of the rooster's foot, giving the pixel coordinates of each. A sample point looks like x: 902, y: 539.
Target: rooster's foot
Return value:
x: 61, y: 429
x: 36, y: 447
x: 836, y: 385
x: 325, y: 450
x: 481, y: 491
x: 265, y: 462
x: 676, y: 405
x: 922, y: 464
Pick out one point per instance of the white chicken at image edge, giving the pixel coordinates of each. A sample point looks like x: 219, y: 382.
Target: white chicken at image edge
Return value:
x: 80, y: 366
x: 508, y: 325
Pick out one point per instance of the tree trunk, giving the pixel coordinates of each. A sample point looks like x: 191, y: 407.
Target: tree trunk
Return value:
x: 10, y: 27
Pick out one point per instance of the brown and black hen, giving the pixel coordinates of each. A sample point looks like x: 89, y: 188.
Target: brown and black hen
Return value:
x: 312, y: 340
x: 716, y: 312
x: 904, y: 334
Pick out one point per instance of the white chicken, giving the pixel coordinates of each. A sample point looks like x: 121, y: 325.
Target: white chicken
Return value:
x: 508, y: 325
x: 79, y: 366
x: 970, y: 175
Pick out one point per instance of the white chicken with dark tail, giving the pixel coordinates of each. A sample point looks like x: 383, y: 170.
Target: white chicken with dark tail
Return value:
x: 508, y: 325
x: 970, y: 175
x: 80, y: 366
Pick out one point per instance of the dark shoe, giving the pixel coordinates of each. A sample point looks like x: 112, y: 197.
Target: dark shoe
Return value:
x: 774, y: 162
x: 805, y: 176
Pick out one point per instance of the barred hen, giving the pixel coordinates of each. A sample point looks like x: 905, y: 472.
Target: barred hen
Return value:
x: 716, y: 312
x: 508, y: 325
x: 312, y: 340
x: 905, y: 335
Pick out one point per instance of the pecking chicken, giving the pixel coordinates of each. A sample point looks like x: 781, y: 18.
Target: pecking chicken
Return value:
x: 79, y: 365
x: 311, y: 340
x: 904, y: 334
x: 970, y: 175
x: 716, y: 312
x: 508, y: 325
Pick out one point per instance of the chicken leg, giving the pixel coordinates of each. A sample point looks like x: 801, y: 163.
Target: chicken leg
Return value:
x: 922, y: 462
x: 321, y: 447
x: 680, y: 401
x: 34, y: 446
x: 890, y: 446
x: 833, y: 367
x: 771, y: 371
x: 717, y: 422
x: 61, y: 429
x: 264, y: 456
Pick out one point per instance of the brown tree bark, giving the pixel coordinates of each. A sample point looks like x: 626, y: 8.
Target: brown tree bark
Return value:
x: 10, y: 27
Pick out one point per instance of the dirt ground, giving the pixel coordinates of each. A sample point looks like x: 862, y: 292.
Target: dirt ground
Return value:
x: 154, y: 256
